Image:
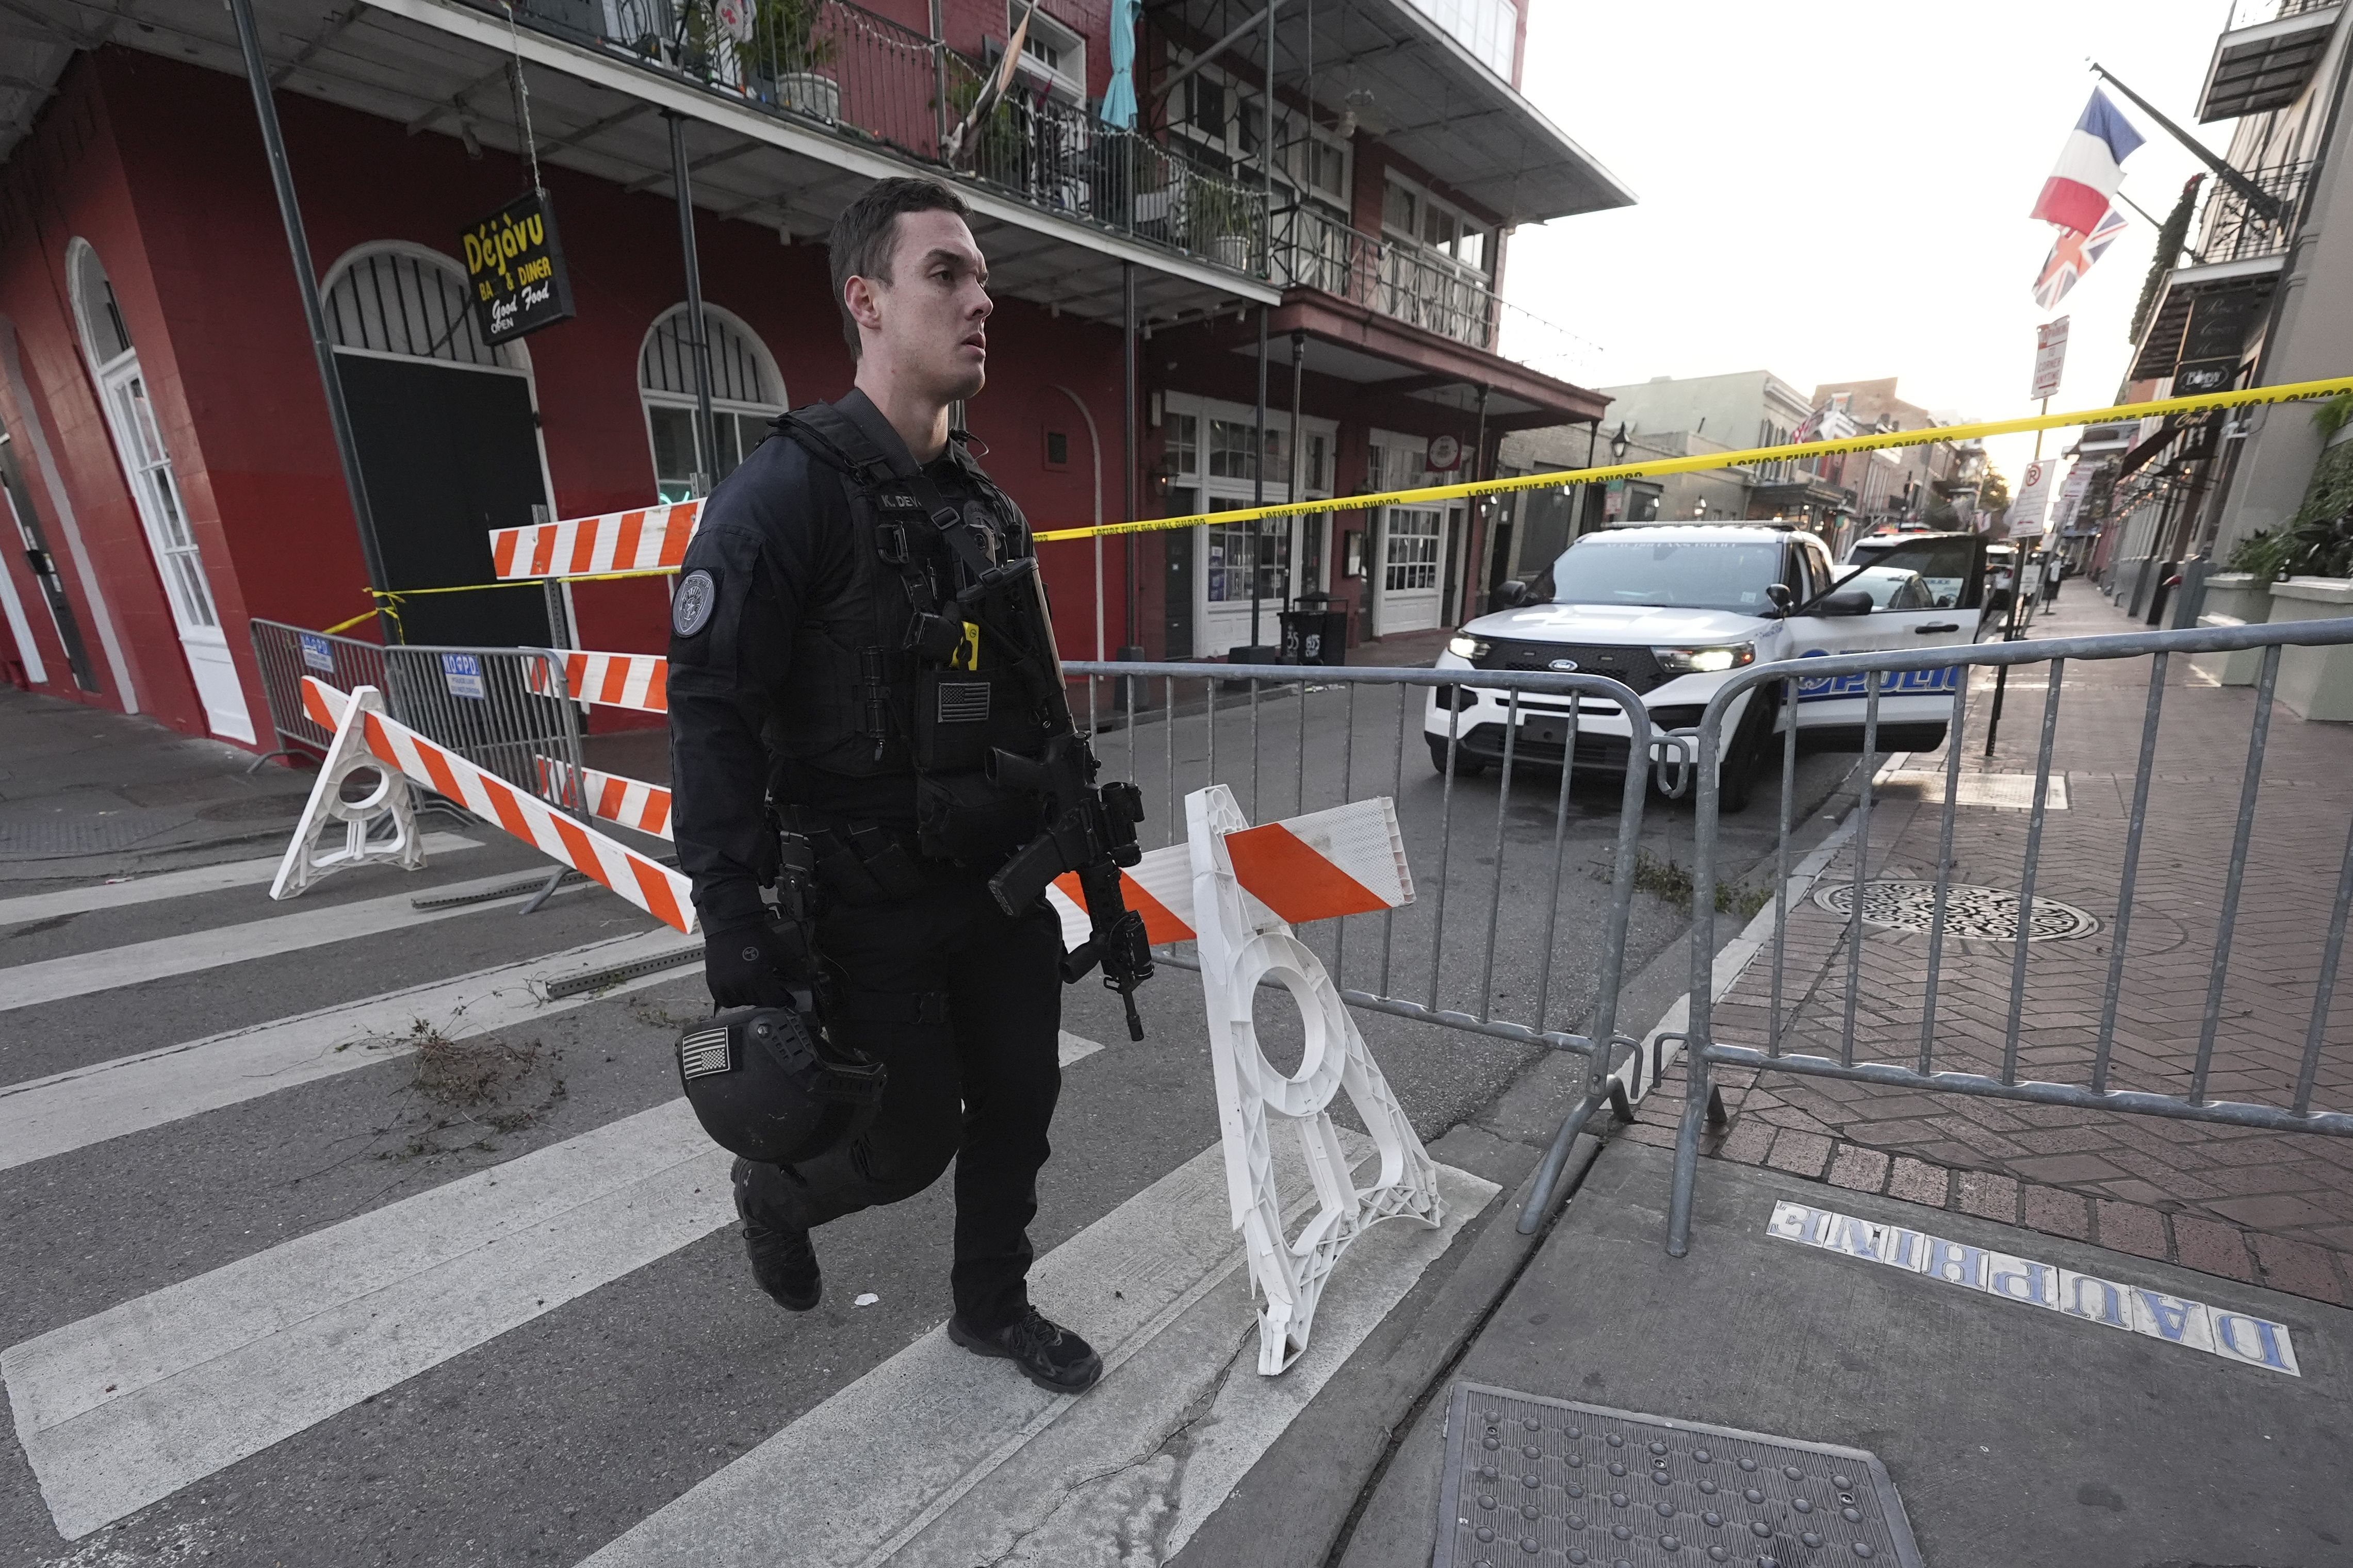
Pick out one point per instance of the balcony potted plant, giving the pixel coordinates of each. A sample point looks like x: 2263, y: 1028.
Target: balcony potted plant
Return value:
x: 780, y: 51
x: 1221, y: 222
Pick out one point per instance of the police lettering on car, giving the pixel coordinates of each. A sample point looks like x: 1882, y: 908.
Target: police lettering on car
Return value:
x: 868, y: 723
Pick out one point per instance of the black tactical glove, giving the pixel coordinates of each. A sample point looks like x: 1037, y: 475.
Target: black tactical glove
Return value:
x: 751, y: 966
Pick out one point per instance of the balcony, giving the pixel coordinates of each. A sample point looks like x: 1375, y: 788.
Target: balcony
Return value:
x: 2266, y: 57
x: 2236, y: 227
x: 785, y: 123
x: 2212, y: 308
x: 870, y: 80
x: 1424, y: 77
x: 1408, y: 284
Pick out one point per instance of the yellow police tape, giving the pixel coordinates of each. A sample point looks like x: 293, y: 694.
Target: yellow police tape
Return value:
x: 1701, y: 463
x: 389, y: 600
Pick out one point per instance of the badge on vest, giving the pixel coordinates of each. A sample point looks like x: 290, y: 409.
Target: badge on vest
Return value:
x: 691, y: 611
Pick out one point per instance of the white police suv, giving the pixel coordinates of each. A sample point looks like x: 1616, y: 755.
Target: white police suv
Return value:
x: 1672, y: 609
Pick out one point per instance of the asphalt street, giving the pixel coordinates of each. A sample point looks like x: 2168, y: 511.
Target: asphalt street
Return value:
x: 286, y: 1287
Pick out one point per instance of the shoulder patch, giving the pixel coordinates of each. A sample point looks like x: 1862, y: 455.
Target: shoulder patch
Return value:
x: 691, y: 611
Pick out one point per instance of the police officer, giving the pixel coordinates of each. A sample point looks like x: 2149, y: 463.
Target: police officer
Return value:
x: 794, y: 701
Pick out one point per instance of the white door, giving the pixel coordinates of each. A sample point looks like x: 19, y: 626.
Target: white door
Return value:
x: 1413, y: 540
x: 130, y: 414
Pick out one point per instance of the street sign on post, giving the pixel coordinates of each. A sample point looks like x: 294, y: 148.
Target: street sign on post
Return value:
x: 2034, y: 499
x: 2050, y: 356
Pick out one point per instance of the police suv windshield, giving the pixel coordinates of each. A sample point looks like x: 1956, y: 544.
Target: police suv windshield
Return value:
x: 1654, y: 571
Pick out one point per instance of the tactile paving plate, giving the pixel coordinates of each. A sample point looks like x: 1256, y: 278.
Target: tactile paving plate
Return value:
x: 1532, y: 1482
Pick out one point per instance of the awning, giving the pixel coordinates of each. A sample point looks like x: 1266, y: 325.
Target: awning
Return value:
x: 2267, y: 65
x: 1347, y: 341
x: 2228, y: 298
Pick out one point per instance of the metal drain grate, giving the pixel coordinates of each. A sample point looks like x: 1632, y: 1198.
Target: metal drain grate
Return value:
x: 1545, y: 1481
x: 1988, y: 915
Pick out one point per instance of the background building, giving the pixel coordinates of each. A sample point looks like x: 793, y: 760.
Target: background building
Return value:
x: 167, y: 453
x: 2254, y: 295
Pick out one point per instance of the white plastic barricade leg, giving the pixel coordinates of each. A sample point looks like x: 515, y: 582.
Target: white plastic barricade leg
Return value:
x: 647, y: 883
x: 360, y: 820
x: 632, y: 803
x: 1242, y: 940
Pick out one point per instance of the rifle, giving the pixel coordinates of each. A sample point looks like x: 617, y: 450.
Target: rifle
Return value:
x: 1092, y: 827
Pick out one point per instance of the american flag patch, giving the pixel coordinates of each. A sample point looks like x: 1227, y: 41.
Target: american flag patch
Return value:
x: 964, y: 701
x: 702, y: 1053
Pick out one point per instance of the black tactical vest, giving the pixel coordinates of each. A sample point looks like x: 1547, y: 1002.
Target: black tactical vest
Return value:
x: 888, y: 678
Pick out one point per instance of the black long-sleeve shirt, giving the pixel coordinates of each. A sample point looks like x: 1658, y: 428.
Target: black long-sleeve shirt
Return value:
x: 774, y: 544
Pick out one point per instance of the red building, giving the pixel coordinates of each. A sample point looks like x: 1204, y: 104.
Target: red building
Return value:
x: 168, y: 454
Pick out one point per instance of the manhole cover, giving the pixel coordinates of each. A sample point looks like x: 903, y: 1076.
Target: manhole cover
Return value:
x: 1536, y: 1480
x: 1988, y: 915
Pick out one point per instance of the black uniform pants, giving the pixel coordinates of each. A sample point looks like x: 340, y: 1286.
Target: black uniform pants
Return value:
x: 965, y: 1007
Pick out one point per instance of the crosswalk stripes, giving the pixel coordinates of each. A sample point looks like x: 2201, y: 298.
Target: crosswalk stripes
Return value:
x: 108, y: 969
x: 131, y: 891
x: 930, y: 1457
x: 908, y: 1457
x: 71, y: 1110
x: 124, y: 1408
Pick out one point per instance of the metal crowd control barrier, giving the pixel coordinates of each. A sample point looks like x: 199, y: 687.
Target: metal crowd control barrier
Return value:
x: 502, y: 708
x: 1291, y: 739
x: 2183, y: 1073
x: 499, y: 708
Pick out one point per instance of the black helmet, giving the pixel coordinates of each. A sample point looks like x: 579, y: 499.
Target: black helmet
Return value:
x: 767, y: 1086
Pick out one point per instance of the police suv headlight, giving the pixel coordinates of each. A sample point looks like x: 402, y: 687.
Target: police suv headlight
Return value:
x: 1467, y: 647
x: 1704, y: 660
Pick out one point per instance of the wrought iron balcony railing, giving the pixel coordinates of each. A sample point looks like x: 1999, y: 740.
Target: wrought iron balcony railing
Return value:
x: 1309, y: 249
x: 866, y: 77
x: 2234, y: 229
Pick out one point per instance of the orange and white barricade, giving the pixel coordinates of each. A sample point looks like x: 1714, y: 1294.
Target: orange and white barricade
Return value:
x: 636, y: 680
x: 1237, y: 891
x: 632, y: 803
x: 650, y: 539
x: 363, y: 729
x: 1348, y: 860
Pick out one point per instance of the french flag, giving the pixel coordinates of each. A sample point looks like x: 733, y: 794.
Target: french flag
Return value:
x: 2090, y: 168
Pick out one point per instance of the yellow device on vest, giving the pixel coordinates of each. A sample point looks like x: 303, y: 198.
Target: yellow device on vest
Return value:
x: 968, y: 652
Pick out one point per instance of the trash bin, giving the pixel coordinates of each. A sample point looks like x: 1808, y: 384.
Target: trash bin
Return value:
x: 1314, y: 633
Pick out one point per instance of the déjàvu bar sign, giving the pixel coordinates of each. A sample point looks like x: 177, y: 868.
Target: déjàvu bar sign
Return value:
x: 516, y: 265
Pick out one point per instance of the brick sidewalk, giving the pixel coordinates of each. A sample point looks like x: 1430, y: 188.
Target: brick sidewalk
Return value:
x: 2271, y: 1207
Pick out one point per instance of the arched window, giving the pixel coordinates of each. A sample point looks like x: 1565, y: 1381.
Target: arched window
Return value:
x: 396, y: 298
x: 746, y: 392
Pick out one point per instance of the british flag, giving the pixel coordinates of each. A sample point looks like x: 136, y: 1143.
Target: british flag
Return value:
x: 2072, y: 256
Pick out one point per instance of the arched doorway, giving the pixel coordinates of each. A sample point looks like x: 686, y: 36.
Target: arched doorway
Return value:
x: 447, y: 431
x: 155, y: 492
x: 746, y: 392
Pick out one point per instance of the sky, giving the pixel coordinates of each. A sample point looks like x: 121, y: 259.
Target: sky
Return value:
x: 1840, y: 193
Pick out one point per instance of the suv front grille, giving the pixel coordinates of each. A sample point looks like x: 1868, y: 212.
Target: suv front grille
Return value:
x: 1633, y: 666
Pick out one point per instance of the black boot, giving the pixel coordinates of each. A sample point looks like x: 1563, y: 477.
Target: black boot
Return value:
x: 1052, y: 1357
x: 783, y: 1262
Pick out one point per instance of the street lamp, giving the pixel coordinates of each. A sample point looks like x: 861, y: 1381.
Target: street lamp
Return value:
x: 1618, y: 443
